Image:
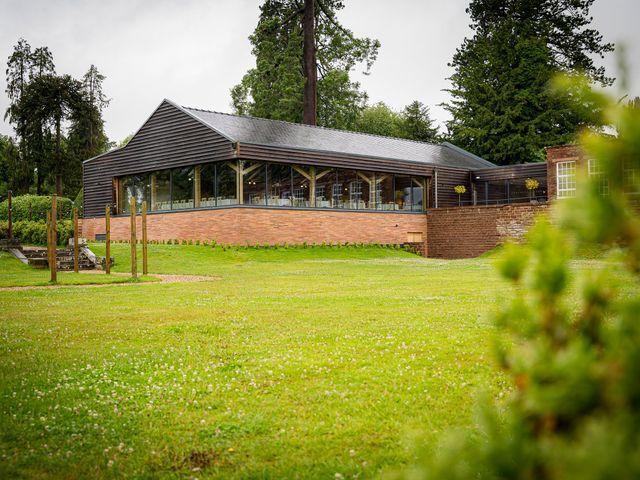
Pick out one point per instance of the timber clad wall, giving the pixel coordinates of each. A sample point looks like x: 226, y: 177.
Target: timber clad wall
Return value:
x: 465, y: 232
x: 448, y: 178
x: 248, y: 226
x: 169, y: 139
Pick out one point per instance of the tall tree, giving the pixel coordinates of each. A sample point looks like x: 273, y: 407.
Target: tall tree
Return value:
x: 281, y: 86
x: 379, y: 119
x: 417, y: 123
x: 502, y: 106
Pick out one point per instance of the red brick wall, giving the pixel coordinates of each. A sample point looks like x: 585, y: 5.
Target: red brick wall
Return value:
x: 562, y: 153
x: 241, y: 226
x: 464, y: 232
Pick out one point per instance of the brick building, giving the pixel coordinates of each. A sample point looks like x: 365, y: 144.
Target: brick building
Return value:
x: 243, y: 180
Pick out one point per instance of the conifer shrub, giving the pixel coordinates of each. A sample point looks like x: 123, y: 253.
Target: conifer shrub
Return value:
x: 571, y: 339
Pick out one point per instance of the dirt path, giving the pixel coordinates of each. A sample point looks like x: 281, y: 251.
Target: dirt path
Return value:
x: 162, y: 279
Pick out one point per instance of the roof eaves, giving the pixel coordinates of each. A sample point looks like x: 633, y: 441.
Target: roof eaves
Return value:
x: 344, y: 154
x: 466, y: 153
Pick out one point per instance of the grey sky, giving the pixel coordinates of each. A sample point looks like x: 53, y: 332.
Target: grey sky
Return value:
x: 194, y: 51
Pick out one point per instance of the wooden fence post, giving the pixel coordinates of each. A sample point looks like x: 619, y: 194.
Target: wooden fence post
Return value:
x: 134, y: 260
x: 107, y: 238
x: 9, y: 212
x: 54, y: 239
x: 145, y: 271
x: 76, y: 252
x: 49, y: 239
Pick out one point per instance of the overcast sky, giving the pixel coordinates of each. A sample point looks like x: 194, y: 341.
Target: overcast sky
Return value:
x: 194, y: 51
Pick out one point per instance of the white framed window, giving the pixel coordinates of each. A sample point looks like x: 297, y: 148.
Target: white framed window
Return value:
x: 597, y: 173
x: 566, y: 179
x: 355, y: 191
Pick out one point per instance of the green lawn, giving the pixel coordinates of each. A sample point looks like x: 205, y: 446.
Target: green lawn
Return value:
x: 296, y: 363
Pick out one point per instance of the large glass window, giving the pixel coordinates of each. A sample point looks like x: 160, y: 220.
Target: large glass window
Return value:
x: 182, y: 188
x: 136, y: 186
x: 419, y: 193
x: 566, y: 179
x: 384, y: 192
x: 301, y: 185
x: 205, y: 185
x: 160, y: 190
x: 259, y: 183
x: 368, y: 189
x: 254, y: 180
x: 279, y: 185
x: 326, y: 185
x: 226, y: 184
x: 403, y: 194
x: 351, y: 190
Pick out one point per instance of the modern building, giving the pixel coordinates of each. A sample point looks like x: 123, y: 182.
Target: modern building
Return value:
x: 243, y: 180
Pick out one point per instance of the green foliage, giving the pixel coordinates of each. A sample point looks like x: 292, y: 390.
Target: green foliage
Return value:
x: 58, y: 121
x: 35, y: 207
x: 379, y: 119
x: 35, y: 233
x: 502, y: 107
x: 412, y: 123
x: 274, y: 87
x: 573, y: 345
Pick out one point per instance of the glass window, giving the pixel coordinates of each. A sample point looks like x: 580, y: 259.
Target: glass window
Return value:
x: 597, y: 174
x: 384, y: 192
x: 182, y: 188
x: 254, y: 181
x: 226, y: 184
x: 136, y: 186
x: 631, y: 178
x: 204, y: 185
x: 326, y: 181
x: 403, y: 194
x: 351, y: 190
x: 419, y: 193
x: 300, y: 186
x: 161, y: 190
x: 368, y: 189
x: 279, y: 190
x: 566, y: 179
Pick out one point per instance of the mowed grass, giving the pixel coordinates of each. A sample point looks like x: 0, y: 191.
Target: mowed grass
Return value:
x: 295, y: 363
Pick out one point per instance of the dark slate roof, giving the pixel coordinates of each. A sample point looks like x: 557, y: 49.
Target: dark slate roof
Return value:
x: 275, y: 133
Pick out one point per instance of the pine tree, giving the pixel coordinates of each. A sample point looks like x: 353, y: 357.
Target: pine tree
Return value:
x: 275, y: 87
x: 417, y: 123
x: 502, y: 106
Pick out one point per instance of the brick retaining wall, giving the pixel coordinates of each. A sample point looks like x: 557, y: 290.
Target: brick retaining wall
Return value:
x: 242, y: 226
x: 465, y: 232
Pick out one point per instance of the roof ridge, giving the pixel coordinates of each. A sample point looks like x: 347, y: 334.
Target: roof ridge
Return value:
x: 315, y: 126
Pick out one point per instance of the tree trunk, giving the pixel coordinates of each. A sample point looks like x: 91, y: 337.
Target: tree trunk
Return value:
x: 309, y: 64
x: 58, y: 158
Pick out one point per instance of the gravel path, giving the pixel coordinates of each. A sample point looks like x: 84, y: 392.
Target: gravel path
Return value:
x: 162, y: 279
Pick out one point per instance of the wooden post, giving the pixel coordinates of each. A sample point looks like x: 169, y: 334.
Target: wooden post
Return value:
x: 107, y: 239
x: 145, y: 271
x: 54, y: 239
x: 134, y: 260
x: 76, y: 248
x: 49, y: 239
x: 9, y: 212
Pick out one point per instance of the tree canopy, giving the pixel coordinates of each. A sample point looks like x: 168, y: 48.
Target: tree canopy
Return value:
x: 57, y: 119
x: 274, y: 87
x: 502, y: 107
x: 412, y: 123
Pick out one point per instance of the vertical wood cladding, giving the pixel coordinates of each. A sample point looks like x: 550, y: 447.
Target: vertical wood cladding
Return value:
x: 169, y: 139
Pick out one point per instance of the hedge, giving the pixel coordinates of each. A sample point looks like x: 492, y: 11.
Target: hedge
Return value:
x: 35, y: 233
x: 38, y: 204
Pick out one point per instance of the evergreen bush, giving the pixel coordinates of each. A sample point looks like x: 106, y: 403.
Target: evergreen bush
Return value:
x: 38, y: 205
